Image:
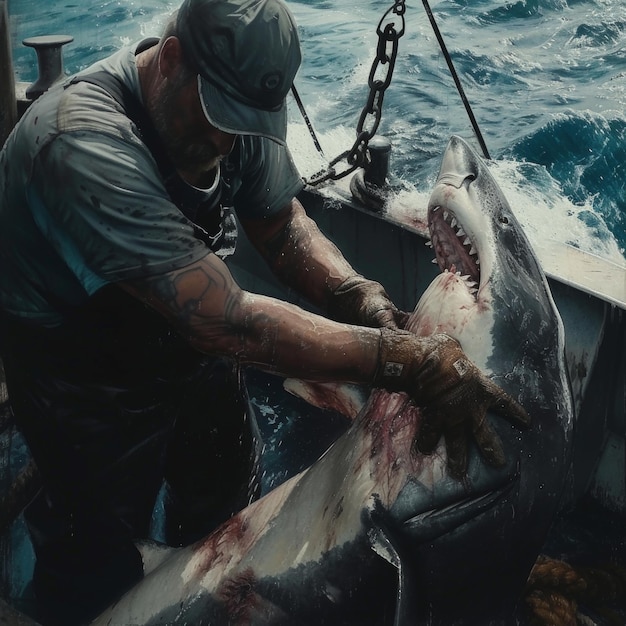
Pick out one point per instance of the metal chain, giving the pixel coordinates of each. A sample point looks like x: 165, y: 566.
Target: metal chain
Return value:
x: 378, y: 82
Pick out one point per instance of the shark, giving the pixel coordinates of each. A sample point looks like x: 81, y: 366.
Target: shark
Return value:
x: 375, y: 532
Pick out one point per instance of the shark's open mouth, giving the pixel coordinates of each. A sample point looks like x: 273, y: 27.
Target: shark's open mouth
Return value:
x: 454, y: 250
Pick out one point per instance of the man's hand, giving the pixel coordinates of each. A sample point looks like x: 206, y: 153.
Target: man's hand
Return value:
x: 365, y: 303
x: 453, y: 393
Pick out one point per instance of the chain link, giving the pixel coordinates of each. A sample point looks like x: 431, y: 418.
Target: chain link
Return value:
x: 379, y: 80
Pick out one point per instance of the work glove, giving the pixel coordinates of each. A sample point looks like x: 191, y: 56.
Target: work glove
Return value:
x: 453, y: 393
x: 364, y: 302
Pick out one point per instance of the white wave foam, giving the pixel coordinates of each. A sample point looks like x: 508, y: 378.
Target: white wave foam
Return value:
x: 548, y: 215
x: 537, y: 200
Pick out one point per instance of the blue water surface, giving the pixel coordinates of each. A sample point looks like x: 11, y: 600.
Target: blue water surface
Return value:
x: 546, y: 80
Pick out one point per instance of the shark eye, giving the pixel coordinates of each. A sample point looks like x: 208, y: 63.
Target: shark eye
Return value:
x: 504, y: 219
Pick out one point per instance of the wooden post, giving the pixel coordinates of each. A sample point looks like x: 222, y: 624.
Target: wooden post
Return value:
x: 8, y: 103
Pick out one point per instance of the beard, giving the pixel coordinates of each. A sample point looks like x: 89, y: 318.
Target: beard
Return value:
x: 193, y: 159
x: 188, y: 156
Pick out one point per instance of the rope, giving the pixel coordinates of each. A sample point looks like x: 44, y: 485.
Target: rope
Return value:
x: 556, y: 590
x: 455, y: 76
x: 386, y: 54
x: 306, y: 118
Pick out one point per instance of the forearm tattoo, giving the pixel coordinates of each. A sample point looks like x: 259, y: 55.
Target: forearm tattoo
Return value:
x: 203, y: 289
x: 214, y: 314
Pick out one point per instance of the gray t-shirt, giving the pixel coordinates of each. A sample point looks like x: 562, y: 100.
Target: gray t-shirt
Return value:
x: 82, y: 204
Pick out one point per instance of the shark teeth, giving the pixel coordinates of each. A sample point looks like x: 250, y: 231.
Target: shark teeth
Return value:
x: 464, y: 240
x: 472, y: 285
x: 461, y: 235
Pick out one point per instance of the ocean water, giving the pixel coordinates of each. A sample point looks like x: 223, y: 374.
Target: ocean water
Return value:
x: 546, y: 80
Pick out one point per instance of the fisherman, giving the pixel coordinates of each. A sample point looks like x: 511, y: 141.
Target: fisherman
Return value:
x: 123, y: 330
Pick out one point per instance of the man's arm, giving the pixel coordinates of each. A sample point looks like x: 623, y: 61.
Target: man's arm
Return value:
x: 216, y: 316
x: 299, y: 254
x: 305, y: 260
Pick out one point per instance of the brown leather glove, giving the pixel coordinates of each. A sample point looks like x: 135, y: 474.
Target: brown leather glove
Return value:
x: 365, y: 303
x: 453, y: 393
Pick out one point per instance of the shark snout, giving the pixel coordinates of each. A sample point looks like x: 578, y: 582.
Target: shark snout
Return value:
x: 456, y: 179
x: 459, y: 165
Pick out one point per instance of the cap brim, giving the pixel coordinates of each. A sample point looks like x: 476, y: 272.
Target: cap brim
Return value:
x: 231, y: 116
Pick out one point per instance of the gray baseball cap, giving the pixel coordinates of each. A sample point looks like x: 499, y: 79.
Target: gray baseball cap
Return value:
x: 246, y: 53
